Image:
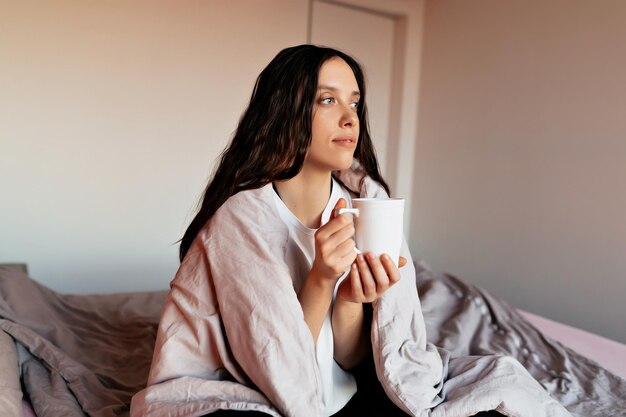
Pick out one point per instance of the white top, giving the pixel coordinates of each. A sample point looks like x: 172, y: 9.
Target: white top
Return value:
x: 338, y: 386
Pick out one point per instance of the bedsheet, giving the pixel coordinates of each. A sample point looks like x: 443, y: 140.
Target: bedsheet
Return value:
x: 608, y: 353
x: 87, y: 355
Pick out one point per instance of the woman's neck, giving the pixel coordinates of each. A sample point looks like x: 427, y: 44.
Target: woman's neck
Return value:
x: 306, y: 195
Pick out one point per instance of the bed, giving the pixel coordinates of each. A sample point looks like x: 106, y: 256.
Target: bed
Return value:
x: 76, y: 355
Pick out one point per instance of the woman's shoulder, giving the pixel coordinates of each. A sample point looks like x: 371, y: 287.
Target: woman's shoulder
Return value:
x: 247, y: 224
x: 249, y: 211
x: 254, y: 198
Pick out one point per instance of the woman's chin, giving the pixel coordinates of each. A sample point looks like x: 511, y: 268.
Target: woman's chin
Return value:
x: 345, y: 163
x: 337, y: 164
x: 345, y: 166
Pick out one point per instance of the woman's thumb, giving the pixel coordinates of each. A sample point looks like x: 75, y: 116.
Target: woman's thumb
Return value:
x: 341, y: 203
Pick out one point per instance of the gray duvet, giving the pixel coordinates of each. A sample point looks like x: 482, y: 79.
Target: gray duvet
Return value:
x: 75, y: 355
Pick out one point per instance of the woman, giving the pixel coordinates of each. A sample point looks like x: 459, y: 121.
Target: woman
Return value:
x: 271, y: 311
x: 327, y: 130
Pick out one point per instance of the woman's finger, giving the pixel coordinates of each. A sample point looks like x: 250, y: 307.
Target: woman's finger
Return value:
x: 368, y: 283
x: 355, y: 283
x: 341, y: 203
x: 392, y: 271
x: 346, y: 250
x: 343, y: 234
x: 378, y: 272
x: 401, y: 262
x: 332, y: 227
x: 339, y: 243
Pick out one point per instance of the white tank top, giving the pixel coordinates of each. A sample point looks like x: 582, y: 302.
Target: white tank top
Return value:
x: 338, y: 386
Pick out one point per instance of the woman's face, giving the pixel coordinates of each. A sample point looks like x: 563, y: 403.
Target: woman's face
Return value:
x: 335, y: 129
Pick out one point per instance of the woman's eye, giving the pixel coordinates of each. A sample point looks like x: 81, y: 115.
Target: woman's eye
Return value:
x: 331, y: 100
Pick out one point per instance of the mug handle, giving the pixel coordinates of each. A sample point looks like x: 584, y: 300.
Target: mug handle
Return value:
x: 354, y: 212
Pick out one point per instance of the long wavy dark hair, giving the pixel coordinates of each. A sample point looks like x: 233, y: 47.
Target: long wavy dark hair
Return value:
x: 274, y: 132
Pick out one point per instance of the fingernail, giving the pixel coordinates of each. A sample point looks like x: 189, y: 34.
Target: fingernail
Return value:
x: 386, y: 257
x: 360, y: 258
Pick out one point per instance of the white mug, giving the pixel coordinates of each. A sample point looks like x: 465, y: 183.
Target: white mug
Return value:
x: 378, y: 223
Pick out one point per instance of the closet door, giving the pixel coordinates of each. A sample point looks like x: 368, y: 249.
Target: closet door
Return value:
x: 369, y: 37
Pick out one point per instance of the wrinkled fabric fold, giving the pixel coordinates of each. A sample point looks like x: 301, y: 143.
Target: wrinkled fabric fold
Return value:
x: 78, y: 354
x: 10, y: 390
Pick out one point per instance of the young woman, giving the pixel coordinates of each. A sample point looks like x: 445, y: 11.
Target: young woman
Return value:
x: 271, y: 311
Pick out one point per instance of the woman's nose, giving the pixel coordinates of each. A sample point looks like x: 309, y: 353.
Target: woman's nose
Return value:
x: 349, y: 118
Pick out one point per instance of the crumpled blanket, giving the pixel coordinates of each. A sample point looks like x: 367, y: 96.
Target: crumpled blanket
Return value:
x: 232, y: 334
x: 469, y: 321
x: 73, y: 355
x: 38, y: 328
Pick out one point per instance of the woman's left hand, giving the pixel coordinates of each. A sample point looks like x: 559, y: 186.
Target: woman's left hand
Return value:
x: 369, y: 278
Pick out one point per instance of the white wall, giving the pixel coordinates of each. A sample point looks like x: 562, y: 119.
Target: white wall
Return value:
x: 111, y: 117
x: 521, y: 154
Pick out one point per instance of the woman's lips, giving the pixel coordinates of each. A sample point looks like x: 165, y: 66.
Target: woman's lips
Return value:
x: 346, y: 141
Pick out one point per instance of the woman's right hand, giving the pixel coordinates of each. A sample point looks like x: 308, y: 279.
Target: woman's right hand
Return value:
x: 334, y: 246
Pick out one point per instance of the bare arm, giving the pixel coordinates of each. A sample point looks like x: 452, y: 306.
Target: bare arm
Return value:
x: 315, y: 298
x: 350, y: 335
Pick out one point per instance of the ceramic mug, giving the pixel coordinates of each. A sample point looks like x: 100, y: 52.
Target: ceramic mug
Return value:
x: 379, y: 225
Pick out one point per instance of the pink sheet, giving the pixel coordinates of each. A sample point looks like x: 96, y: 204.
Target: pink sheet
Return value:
x: 606, y: 352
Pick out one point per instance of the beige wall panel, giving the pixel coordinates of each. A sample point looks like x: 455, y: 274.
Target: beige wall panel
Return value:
x: 111, y: 117
x: 520, y: 161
